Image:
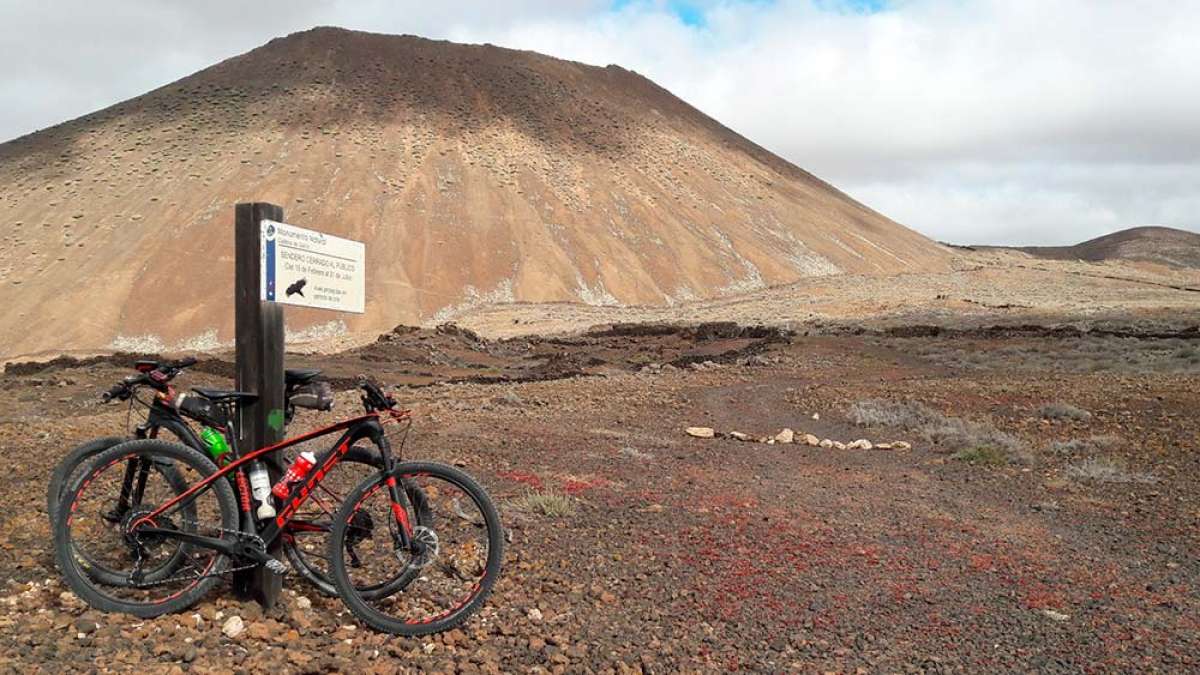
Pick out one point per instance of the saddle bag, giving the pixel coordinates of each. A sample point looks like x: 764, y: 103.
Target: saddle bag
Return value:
x: 314, y: 396
x: 201, y: 409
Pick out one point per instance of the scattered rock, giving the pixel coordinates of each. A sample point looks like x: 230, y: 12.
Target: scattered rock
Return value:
x: 785, y: 436
x: 69, y: 600
x: 259, y: 631
x: 233, y: 627
x: 902, y: 445
x: 838, y: 445
x: 816, y: 416
x: 826, y: 443
x: 700, y: 432
x: 535, y: 614
x: 1057, y: 616
x: 739, y: 436
x: 809, y: 439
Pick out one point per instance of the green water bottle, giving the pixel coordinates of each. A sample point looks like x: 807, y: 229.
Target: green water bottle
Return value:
x: 215, y: 442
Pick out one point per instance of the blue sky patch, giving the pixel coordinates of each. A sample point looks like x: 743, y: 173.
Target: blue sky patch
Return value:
x: 692, y: 12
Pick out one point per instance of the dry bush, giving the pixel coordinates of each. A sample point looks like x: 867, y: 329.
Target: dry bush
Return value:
x: 1107, y: 470
x: 1063, y: 411
x: 1073, y: 355
x: 548, y: 503
x: 876, y: 412
x: 1081, y: 446
x: 952, y: 434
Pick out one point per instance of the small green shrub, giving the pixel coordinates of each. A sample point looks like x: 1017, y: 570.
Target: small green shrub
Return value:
x: 1191, y: 354
x: 982, y: 454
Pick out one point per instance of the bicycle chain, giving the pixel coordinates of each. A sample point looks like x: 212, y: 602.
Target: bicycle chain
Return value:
x: 242, y: 568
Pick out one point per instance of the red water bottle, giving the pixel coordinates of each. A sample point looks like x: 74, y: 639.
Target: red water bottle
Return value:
x: 297, y: 471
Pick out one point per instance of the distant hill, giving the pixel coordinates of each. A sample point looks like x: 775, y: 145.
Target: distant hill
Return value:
x: 1163, y: 245
x: 473, y: 173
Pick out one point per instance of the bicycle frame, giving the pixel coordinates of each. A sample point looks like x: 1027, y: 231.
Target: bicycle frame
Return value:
x: 159, y: 418
x: 364, y: 426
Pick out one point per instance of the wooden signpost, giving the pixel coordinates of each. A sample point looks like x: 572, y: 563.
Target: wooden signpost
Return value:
x: 276, y: 264
x: 259, y: 342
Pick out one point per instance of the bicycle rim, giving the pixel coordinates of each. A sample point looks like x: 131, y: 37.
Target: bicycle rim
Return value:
x: 433, y: 584
x: 97, y: 527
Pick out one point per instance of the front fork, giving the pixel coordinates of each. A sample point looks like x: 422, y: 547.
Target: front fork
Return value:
x: 402, y: 527
x: 133, y: 484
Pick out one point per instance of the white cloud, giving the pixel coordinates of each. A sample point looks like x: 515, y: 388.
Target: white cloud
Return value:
x: 1006, y: 121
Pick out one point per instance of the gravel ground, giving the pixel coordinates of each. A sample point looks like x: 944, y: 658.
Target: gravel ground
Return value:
x: 679, y: 553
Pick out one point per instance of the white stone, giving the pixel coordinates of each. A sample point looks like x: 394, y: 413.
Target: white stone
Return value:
x: 700, y: 432
x: 826, y: 443
x: 234, y: 626
x: 811, y: 440
x: 902, y: 445
x: 785, y: 436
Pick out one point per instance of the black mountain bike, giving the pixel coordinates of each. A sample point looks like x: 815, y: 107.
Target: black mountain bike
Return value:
x: 414, y: 549
x: 305, y: 549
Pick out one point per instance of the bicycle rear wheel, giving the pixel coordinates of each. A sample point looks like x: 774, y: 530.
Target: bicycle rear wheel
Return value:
x: 151, y: 574
x: 70, y: 464
x: 77, y: 459
x: 446, y: 571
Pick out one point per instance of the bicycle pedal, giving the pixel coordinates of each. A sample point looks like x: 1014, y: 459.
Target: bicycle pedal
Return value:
x: 276, y: 567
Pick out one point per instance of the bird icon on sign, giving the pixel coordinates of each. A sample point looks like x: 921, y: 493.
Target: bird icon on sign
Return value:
x: 297, y: 288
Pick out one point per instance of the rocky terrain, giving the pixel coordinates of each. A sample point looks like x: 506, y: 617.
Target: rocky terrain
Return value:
x: 983, y: 288
x: 543, y: 180
x: 1046, y: 516
x: 733, y: 419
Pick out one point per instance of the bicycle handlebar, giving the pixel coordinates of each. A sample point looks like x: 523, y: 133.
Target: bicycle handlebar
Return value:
x: 375, y: 398
x: 153, y: 373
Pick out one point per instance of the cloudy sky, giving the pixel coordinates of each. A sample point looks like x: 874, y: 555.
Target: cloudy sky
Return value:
x: 973, y: 121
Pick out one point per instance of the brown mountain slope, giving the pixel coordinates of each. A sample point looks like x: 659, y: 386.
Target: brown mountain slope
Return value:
x: 1163, y: 245
x: 473, y: 173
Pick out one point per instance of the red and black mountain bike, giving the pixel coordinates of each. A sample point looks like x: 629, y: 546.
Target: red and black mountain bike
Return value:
x: 415, y: 548
x: 305, y: 549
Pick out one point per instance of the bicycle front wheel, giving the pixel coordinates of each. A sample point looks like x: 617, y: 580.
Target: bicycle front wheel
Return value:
x: 411, y: 568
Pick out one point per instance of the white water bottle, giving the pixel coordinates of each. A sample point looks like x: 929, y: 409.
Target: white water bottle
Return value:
x: 260, y: 487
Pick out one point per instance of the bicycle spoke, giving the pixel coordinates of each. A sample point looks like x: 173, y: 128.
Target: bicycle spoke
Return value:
x: 403, y: 584
x: 127, y: 554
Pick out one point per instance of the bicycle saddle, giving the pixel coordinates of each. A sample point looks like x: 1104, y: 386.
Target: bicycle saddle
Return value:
x: 224, y: 395
x: 297, y: 376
